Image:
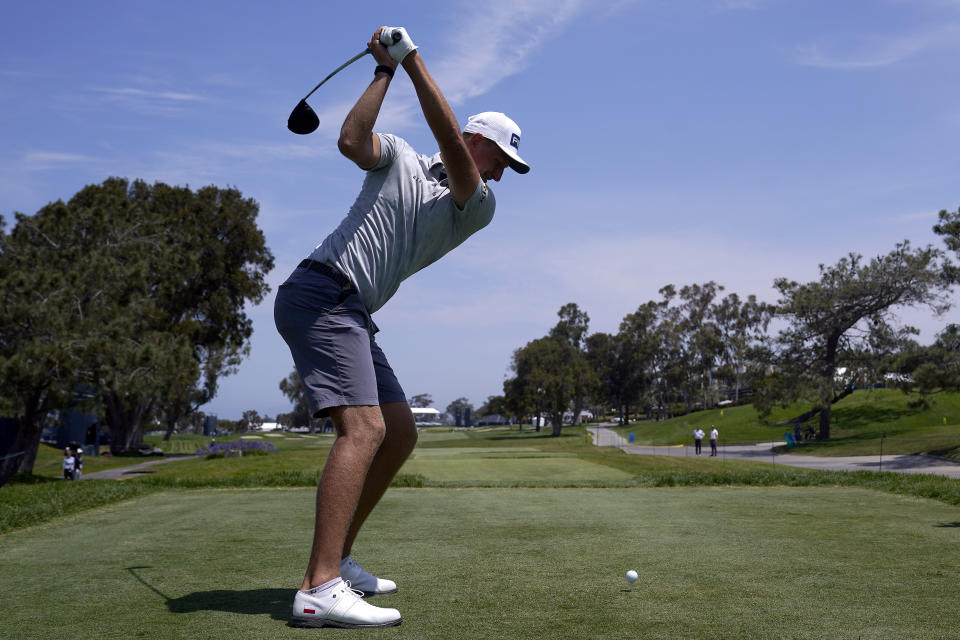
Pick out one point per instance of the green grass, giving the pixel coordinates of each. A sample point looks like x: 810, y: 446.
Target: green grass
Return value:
x: 502, y: 563
x: 507, y: 534
x: 492, y: 459
x: 859, y: 422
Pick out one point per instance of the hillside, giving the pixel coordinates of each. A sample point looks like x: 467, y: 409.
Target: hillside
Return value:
x: 859, y: 423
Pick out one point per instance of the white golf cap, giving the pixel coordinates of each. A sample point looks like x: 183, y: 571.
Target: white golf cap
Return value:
x: 503, y: 131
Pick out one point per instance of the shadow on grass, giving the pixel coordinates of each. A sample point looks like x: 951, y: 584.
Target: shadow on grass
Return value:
x: 948, y: 525
x: 274, y: 602
x: 863, y: 416
x: 29, y: 478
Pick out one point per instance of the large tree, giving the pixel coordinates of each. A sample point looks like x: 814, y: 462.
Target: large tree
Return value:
x: 142, y: 290
x: 549, y: 373
x: 844, y: 320
x: 743, y: 335
x: 572, y: 329
x: 703, y: 336
x: 40, y: 342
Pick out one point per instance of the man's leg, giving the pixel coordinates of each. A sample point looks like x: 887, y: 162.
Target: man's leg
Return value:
x: 360, y: 431
x: 398, y: 444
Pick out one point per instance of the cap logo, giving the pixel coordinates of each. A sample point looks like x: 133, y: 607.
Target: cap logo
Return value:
x: 515, y: 141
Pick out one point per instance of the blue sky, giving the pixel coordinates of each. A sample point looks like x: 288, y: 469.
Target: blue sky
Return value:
x: 671, y: 142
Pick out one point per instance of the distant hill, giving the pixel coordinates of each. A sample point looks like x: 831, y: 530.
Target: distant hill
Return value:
x: 859, y: 423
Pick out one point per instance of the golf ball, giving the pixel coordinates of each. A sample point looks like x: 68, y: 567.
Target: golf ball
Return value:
x: 632, y: 576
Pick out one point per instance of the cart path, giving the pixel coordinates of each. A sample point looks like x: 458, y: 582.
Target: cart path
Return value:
x: 121, y: 473
x: 763, y: 452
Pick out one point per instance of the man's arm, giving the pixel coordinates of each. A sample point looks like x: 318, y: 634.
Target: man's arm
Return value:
x: 462, y: 174
x: 357, y: 139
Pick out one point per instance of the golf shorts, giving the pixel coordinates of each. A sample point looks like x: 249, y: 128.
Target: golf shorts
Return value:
x: 330, y: 335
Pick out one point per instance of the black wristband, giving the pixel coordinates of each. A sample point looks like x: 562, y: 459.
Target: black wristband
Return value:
x: 384, y: 68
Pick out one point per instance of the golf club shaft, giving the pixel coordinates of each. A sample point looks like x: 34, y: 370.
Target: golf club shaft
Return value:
x: 337, y: 70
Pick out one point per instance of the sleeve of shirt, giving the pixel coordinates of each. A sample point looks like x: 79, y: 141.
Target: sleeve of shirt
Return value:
x: 481, y: 204
x: 389, y: 149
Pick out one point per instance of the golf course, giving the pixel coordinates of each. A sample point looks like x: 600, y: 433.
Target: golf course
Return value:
x: 492, y: 533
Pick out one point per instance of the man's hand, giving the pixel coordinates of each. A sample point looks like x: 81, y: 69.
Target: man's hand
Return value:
x: 379, y: 50
x: 398, y: 42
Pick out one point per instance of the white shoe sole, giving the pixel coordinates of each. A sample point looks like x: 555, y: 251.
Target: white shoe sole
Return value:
x: 368, y: 594
x: 317, y: 623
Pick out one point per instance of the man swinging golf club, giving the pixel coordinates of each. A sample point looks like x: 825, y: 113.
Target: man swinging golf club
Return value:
x: 412, y: 210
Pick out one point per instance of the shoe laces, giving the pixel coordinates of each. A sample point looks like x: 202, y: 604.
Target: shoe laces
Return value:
x: 349, y: 587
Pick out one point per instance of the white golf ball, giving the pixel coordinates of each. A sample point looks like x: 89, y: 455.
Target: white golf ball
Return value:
x: 632, y: 576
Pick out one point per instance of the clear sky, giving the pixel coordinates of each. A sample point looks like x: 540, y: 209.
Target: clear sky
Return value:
x: 672, y: 142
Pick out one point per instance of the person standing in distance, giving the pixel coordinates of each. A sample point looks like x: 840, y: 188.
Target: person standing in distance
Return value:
x: 697, y: 439
x: 412, y: 210
x: 714, y: 435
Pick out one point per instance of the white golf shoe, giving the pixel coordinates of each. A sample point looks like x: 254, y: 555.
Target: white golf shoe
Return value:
x: 360, y: 580
x: 340, y: 606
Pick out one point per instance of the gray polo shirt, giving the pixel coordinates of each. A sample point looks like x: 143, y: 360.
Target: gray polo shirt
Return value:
x: 403, y: 220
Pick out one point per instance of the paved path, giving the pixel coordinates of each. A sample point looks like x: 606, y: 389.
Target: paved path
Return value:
x: 133, y: 470
x: 763, y: 452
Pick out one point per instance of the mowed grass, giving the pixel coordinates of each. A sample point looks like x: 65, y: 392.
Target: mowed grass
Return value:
x: 502, y: 563
x: 859, y: 422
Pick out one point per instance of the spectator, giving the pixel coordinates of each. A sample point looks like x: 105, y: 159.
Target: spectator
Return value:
x: 714, y: 434
x: 697, y: 439
x: 68, y: 462
x: 78, y: 463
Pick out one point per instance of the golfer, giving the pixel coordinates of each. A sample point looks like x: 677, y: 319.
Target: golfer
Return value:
x: 412, y: 210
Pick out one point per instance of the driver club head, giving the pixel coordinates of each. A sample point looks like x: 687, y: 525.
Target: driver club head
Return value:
x: 303, y: 119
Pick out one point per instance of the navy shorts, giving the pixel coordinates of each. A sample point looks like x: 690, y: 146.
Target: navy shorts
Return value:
x: 330, y: 335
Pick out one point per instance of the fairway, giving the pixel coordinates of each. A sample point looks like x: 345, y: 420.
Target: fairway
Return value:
x: 503, y: 563
x: 499, y: 464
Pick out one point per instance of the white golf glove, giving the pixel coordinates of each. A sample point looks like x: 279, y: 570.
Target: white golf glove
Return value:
x: 397, y: 42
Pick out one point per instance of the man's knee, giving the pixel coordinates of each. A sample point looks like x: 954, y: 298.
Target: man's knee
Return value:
x: 363, y: 424
x: 401, y: 427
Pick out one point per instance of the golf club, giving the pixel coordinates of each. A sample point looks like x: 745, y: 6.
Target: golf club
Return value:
x: 303, y: 119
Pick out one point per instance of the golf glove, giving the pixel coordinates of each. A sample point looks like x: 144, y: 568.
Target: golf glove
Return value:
x: 397, y: 41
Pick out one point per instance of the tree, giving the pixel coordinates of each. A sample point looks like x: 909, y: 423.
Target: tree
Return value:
x: 493, y: 405
x: 549, y: 372
x: 40, y: 361
x: 518, y: 400
x: 137, y: 291
x: 703, y: 337
x: 292, y: 388
x: 949, y: 227
x: 743, y: 330
x: 572, y: 329
x: 844, y: 318
x: 673, y: 361
x: 624, y: 362
x: 251, y: 419
x: 421, y: 400
x: 202, y: 259
x: 573, y: 325
x: 930, y: 370
x: 460, y: 403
